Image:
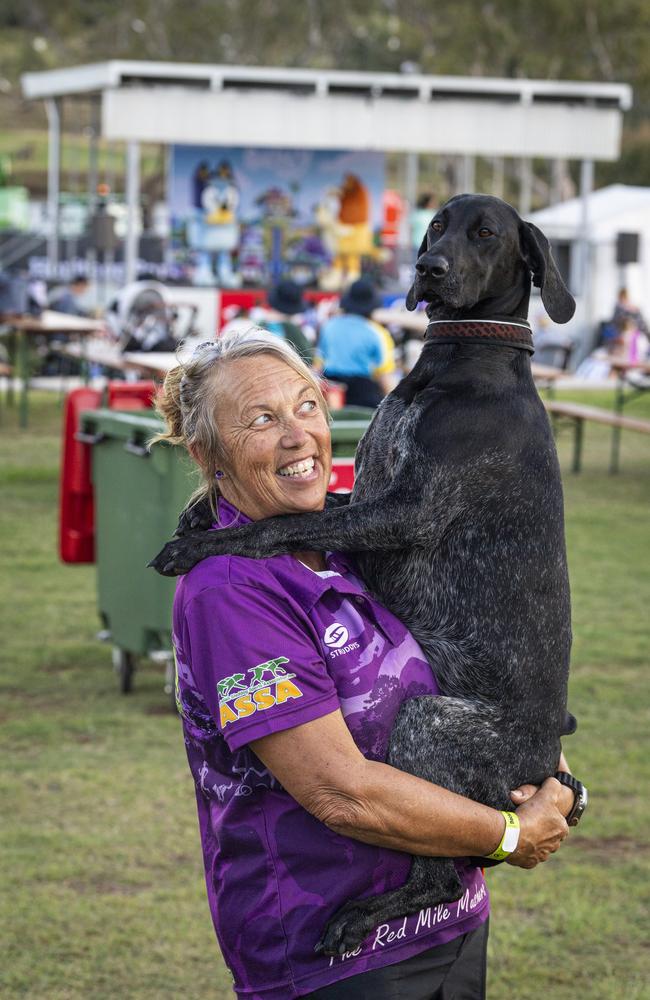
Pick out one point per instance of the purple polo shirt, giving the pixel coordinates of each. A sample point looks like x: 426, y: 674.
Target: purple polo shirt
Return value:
x: 262, y: 646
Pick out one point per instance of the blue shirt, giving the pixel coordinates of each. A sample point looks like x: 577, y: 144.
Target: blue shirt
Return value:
x: 350, y: 345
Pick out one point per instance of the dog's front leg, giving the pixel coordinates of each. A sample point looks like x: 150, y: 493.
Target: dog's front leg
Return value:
x: 384, y: 523
x: 199, y: 516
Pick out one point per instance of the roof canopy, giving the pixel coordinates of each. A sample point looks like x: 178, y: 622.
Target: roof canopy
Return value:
x: 312, y: 109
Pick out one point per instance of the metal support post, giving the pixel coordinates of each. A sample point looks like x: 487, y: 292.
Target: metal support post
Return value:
x: 412, y: 178
x: 578, y: 426
x: 132, y: 205
x: 498, y: 176
x: 53, y: 180
x: 469, y: 173
x: 619, y: 402
x: 525, y: 185
x: 93, y: 156
x: 584, y: 285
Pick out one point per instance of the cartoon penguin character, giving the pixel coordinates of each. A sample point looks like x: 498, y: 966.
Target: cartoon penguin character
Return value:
x: 215, y: 232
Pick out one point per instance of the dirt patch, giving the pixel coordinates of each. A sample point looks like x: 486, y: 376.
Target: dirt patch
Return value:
x: 609, y: 848
x: 164, y: 708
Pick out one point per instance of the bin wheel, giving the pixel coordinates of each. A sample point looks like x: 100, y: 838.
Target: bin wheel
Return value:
x: 124, y: 664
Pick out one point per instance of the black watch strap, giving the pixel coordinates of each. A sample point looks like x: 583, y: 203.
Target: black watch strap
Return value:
x: 581, y: 797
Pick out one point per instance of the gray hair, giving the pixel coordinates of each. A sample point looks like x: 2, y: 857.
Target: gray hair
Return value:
x: 188, y: 396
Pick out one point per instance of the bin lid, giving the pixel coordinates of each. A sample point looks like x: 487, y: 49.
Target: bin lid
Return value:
x: 122, y: 426
x: 348, y: 424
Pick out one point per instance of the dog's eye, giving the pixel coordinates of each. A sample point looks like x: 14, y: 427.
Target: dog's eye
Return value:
x: 436, y: 226
x: 485, y: 232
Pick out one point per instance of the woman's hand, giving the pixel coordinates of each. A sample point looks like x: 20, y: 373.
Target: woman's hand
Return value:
x: 566, y: 800
x: 542, y: 823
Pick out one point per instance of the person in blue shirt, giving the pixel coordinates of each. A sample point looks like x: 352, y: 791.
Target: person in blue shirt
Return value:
x: 355, y: 351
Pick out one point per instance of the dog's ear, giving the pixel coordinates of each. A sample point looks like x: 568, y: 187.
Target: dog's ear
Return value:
x: 536, y: 251
x: 412, y: 296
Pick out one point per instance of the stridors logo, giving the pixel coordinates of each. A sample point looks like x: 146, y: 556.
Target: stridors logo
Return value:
x: 336, y: 637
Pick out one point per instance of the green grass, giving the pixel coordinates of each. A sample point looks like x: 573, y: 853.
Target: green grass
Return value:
x: 103, y: 893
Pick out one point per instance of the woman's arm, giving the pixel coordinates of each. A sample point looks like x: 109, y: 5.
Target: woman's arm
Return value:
x: 319, y: 764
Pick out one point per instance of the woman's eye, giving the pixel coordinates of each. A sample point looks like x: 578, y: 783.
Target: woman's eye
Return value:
x: 264, y: 418
x: 308, y: 406
x: 484, y: 232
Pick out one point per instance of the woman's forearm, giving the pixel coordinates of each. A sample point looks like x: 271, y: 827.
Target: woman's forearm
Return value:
x: 378, y: 804
x: 389, y: 808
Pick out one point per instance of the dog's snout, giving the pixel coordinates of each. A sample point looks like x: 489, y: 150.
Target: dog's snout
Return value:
x: 432, y: 267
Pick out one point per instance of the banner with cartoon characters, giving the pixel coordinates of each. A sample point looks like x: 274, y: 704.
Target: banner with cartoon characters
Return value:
x: 250, y: 216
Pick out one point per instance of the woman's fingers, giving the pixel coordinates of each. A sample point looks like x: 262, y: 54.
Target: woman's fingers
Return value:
x: 523, y: 793
x: 542, y: 826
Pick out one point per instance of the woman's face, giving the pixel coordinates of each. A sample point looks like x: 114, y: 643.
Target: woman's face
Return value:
x: 276, y: 436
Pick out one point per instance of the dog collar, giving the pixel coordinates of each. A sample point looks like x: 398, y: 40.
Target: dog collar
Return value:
x: 496, y: 332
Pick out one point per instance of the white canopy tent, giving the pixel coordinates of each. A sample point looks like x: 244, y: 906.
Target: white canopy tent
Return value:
x: 296, y: 108
x: 613, y: 210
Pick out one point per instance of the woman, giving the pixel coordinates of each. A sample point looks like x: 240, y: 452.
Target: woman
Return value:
x: 289, y: 677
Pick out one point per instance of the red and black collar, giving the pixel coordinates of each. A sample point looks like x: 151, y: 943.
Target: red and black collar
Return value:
x: 496, y: 332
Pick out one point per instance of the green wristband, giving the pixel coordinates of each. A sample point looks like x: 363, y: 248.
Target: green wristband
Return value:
x: 510, y: 839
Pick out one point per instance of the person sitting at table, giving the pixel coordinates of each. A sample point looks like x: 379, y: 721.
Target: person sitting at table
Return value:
x: 69, y: 298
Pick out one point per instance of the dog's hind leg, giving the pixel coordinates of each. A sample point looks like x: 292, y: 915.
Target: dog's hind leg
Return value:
x: 463, y: 746
x: 459, y: 744
x: 431, y: 880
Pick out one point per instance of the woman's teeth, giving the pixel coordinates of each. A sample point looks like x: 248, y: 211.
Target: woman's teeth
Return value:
x: 299, y: 469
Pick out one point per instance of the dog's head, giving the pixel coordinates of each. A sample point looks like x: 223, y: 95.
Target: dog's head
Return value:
x: 477, y: 259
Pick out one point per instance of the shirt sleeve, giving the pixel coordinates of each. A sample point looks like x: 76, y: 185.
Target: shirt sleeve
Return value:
x: 256, y: 661
x: 386, y: 365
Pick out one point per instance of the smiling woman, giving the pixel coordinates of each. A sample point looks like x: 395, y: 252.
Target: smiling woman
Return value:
x: 276, y: 436
x: 289, y: 678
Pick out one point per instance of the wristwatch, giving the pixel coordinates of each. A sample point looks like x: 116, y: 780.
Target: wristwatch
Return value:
x: 581, y: 796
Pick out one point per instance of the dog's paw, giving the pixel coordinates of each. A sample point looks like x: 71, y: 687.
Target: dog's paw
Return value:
x: 346, y: 930
x: 198, y: 517
x: 178, y: 556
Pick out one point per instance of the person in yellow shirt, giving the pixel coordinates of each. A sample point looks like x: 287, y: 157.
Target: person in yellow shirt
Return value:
x: 356, y: 351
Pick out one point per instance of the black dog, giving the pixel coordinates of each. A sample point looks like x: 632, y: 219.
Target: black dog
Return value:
x: 456, y: 518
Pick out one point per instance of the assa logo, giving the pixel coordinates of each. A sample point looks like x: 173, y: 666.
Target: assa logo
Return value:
x: 336, y: 637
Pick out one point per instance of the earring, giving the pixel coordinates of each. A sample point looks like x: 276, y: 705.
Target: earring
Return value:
x: 218, y: 474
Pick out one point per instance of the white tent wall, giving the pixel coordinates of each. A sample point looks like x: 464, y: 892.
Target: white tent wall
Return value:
x: 611, y: 210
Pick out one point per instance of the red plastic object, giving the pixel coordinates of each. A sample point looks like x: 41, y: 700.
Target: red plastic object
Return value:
x: 76, y: 497
x: 131, y: 395
x: 76, y: 501
x: 342, y: 478
x: 393, y: 210
x: 244, y: 300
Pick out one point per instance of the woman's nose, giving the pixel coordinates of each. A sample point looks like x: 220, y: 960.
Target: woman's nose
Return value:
x: 293, y: 434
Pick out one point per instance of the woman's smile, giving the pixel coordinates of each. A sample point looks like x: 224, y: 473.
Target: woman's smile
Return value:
x: 305, y: 469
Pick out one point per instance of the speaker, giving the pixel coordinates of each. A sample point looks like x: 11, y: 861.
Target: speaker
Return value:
x: 627, y: 248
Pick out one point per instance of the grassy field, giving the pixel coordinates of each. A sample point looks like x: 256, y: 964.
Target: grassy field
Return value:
x: 103, y: 893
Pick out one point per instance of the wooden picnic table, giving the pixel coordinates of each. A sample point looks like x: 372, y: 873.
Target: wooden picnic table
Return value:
x: 22, y: 326
x: 622, y: 369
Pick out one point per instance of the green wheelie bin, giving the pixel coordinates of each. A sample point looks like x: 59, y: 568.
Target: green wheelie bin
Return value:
x: 139, y: 492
